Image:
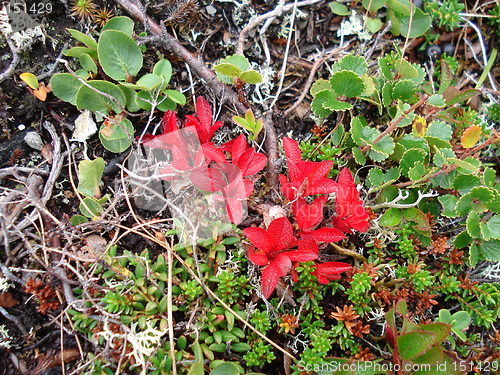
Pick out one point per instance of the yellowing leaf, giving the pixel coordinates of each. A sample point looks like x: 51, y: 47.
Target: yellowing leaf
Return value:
x: 470, y: 136
x: 29, y: 79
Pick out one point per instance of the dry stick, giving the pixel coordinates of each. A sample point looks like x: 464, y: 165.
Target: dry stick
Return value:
x: 15, y: 60
x: 395, y: 123
x: 228, y: 95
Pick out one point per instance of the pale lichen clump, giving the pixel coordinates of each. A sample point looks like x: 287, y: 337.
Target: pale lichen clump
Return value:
x: 354, y: 26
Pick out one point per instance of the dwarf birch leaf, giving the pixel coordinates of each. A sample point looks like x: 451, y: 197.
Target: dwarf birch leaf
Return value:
x: 320, y: 85
x: 416, y: 172
x: 464, y: 183
x: 409, y: 158
x: 489, y: 176
x: 228, y: 69
x: 356, y: 64
x: 439, y: 129
x: 119, y: 55
x: 494, y: 226
x: 359, y: 156
x: 403, y: 90
x: 321, y: 98
x: 490, y: 250
x: 449, y: 203
x: 462, y: 240
x: 473, y: 225
x: 347, y: 83
x: 251, y: 76
x: 337, y: 105
x: 436, y: 100
x: 470, y: 136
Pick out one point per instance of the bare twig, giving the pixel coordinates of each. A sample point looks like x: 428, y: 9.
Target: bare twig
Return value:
x: 15, y: 60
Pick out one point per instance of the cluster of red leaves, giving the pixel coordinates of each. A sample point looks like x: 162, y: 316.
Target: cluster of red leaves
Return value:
x: 275, y: 247
x: 221, y: 170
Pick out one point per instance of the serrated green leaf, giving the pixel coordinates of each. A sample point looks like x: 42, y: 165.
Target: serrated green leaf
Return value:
x: 339, y: 9
x: 494, y: 226
x: 320, y: 85
x: 436, y: 100
x: 356, y: 64
x: 391, y: 217
x: 359, y: 157
x: 449, y: 203
x: 409, y: 158
x: 440, y: 129
x: 485, y: 231
x: 482, y: 194
x: 464, y: 183
x: 387, y: 94
x: 489, y: 177
x: 347, y: 83
x: 382, y: 149
x: 462, y: 240
x: 318, y: 101
x: 490, y: 250
x: 377, y: 179
x: 472, y: 224
x: 228, y: 69
x: 418, y: 171
x: 251, y: 77
x: 370, y: 87
x: 337, y: 105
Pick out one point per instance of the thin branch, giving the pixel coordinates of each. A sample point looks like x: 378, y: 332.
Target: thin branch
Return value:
x: 16, y: 58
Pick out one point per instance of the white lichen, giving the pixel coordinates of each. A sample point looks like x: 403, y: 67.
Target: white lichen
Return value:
x: 5, y: 339
x: 354, y: 26
x: 4, y: 284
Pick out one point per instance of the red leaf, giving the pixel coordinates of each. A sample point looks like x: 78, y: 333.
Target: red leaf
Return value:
x: 169, y: 122
x: 301, y: 255
x: 259, y: 238
x: 270, y: 277
x: 309, y: 215
x: 204, y: 112
x: 321, y: 186
x: 208, y: 179
x: 238, y: 147
x: 213, y: 153
x: 330, y: 271
x: 281, y: 233
x: 327, y: 235
x: 292, y: 150
x: 251, y: 162
x: 257, y: 256
x: 234, y: 210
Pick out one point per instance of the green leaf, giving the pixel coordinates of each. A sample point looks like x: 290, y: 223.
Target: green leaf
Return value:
x: 227, y: 368
x: 449, y: 203
x: 436, y: 100
x: 490, y: 250
x: 465, y: 167
x: 373, y: 5
x: 347, y: 83
x: 373, y: 25
x: 473, y: 225
x: 489, y: 177
x: 418, y: 171
x: 130, y: 96
x: 405, y: 69
x: 462, y: 240
x: 88, y: 63
x: 85, y: 39
x: 320, y: 85
x: 442, y: 330
x: 359, y: 157
x: 120, y: 23
x: 240, y: 347
x: 409, y: 158
x: 78, y: 219
x: 176, y: 96
x: 227, y: 69
x: 378, y: 180
x: 391, y: 217
x: 322, y: 97
x: 415, y: 26
x: 464, y: 183
x: 147, y: 82
x: 356, y: 64
x: 251, y: 77
x: 363, y: 134
x: 86, y: 98
x: 165, y: 104
x: 89, y: 177
x: 419, y: 218
x: 238, y: 60
x: 119, y: 55
x: 494, y: 226
x: 474, y: 255
x: 414, y: 344
x: 77, y: 52
x: 440, y: 129
x: 399, y: 6
x: 452, y: 95
x: 163, y: 68
x: 433, y: 355
x: 337, y: 105
x: 91, y: 208
x: 30, y: 79
x: 339, y: 9
x: 197, y: 368
x: 117, y: 136
x: 65, y: 86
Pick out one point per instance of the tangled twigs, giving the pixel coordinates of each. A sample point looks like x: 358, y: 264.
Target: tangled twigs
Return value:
x: 197, y: 65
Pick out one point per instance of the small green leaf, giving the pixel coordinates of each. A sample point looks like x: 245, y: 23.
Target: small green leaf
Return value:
x: 418, y: 171
x: 87, y: 98
x: 464, y: 183
x: 462, y: 240
x: 119, y: 55
x: 89, y: 177
x: 452, y: 95
x: 320, y: 85
x: 436, y: 100
x: 406, y: 69
x: 228, y: 69
x: 337, y: 105
x: 176, y: 96
x: 494, y: 226
x: 440, y: 129
x: 339, y: 9
x: 65, y: 86
x: 88, y: 63
x: 416, y: 25
x: 399, y: 6
x: 78, y: 219
x: 120, y: 23
x: 117, y: 137
x: 489, y: 177
x: 409, y: 158
x: 91, y: 208
x: 227, y: 368
x: 30, y: 79
x: 373, y: 5
x: 465, y: 166
x: 404, y: 89
x: 378, y: 180
x: 163, y: 68
x: 449, y: 203
x: 391, y: 217
x: 473, y: 225
x: 356, y: 64
x: 373, y: 25
x: 359, y: 157
x: 347, y: 83
x: 85, y: 39
x: 251, y: 77
x: 322, y: 97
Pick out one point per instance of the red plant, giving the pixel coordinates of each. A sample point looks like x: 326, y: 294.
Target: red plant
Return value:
x: 203, y: 121
x: 325, y: 272
x: 349, y: 211
x: 271, y: 250
x: 306, y: 177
